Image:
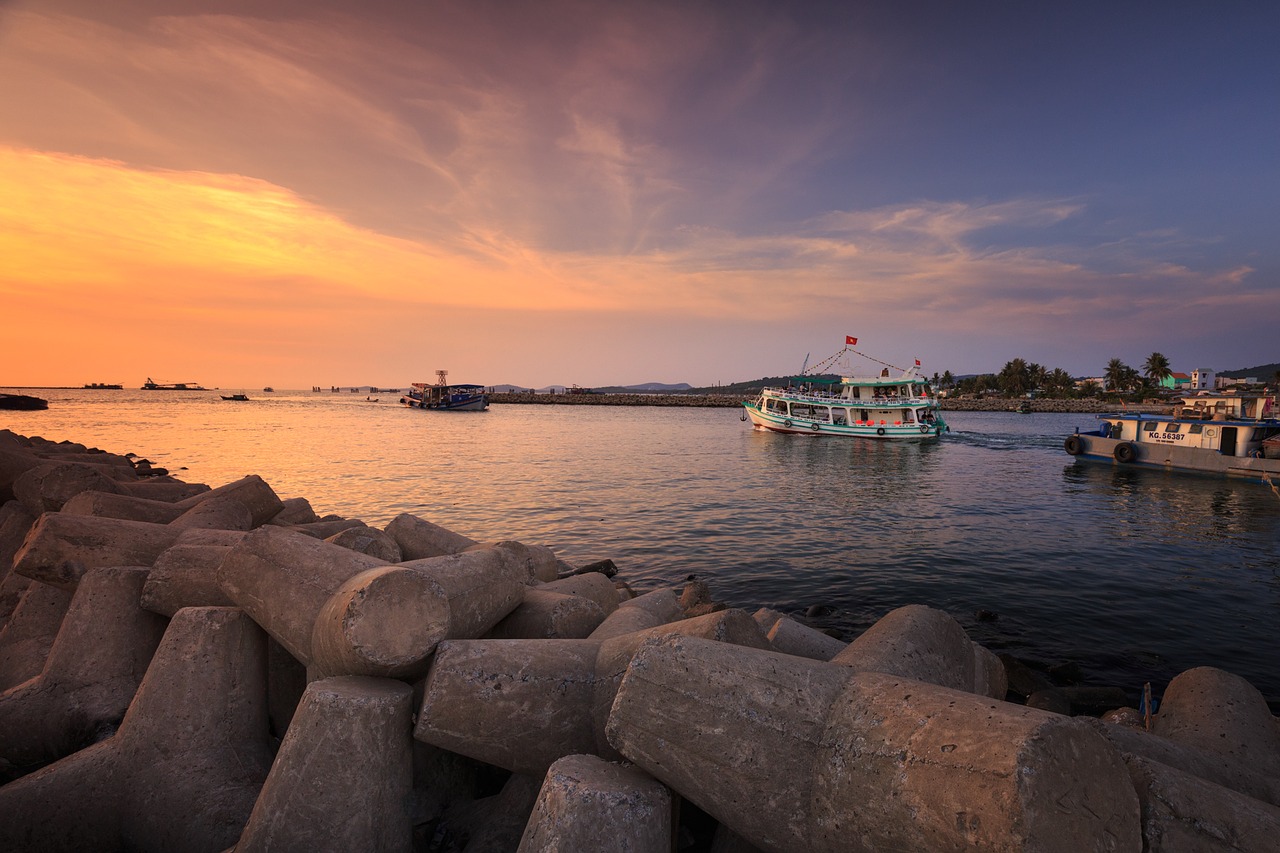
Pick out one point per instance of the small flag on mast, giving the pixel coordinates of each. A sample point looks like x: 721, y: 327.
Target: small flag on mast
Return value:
x: 917, y: 362
x: 850, y: 341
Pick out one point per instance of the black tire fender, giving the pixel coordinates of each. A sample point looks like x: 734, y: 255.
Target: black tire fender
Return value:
x: 1125, y: 452
x: 1073, y: 445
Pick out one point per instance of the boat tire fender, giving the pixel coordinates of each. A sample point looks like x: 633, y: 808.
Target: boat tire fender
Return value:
x: 880, y: 431
x: 786, y: 423
x: 813, y: 427
x: 1073, y: 445
x: 924, y: 429
x: 1125, y: 453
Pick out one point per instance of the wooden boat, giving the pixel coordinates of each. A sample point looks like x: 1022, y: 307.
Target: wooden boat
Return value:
x: 1236, y: 435
x: 241, y: 398
x: 887, y: 406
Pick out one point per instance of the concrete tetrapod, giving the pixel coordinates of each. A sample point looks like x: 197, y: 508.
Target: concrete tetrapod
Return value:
x: 60, y: 548
x: 186, y: 765
x: 30, y: 632
x: 341, y: 612
x: 589, y: 805
x: 920, y: 642
x: 92, y: 672
x: 342, y: 778
x: 560, y: 691
x: 1220, y: 712
x: 794, y: 754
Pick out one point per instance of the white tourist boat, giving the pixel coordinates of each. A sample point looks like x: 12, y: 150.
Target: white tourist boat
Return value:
x: 896, y: 404
x: 1236, y: 435
x: 444, y: 397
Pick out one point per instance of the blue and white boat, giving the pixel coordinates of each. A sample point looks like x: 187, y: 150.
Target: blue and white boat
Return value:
x: 889, y: 406
x: 444, y: 397
x: 1236, y: 435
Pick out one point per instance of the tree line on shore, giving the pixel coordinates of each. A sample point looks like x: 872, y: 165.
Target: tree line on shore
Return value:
x: 1020, y: 377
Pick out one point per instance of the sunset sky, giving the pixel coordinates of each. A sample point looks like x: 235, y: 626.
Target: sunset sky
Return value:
x: 312, y: 192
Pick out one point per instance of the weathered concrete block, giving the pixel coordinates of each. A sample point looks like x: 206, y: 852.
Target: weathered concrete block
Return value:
x: 283, y: 579
x: 989, y: 678
x: 794, y: 638
x: 560, y: 691
x: 589, y: 804
x: 326, y: 527
x: 640, y: 613
x: 1213, y: 767
x: 341, y: 612
x: 550, y: 615
x: 60, y: 548
x: 48, y: 487
x: 419, y: 538
x: 368, y: 540
x: 1217, y: 711
x: 541, y: 563
x: 186, y: 765
x: 216, y: 513
x: 163, y: 489
x: 1182, y: 813
x: 186, y: 576
x: 594, y: 586
x: 342, y: 778
x: 915, y: 642
x: 295, y: 511
x: 864, y: 761
x: 122, y: 505
x: 15, y: 523
x: 251, y: 491
x: 91, y: 674
x: 30, y: 632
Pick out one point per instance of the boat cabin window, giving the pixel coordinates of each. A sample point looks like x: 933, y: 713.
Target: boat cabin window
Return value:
x: 800, y: 411
x: 775, y: 405
x: 1195, y: 429
x: 1150, y: 426
x: 1172, y: 427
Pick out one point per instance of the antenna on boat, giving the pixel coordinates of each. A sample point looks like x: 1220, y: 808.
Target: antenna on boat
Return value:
x: 440, y: 377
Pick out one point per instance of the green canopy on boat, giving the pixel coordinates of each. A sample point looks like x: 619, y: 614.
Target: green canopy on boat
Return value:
x: 815, y: 380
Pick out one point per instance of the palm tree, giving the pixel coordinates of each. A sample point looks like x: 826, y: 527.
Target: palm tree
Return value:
x: 1157, y: 368
x: 1117, y: 375
x: 1015, y: 378
x: 948, y: 380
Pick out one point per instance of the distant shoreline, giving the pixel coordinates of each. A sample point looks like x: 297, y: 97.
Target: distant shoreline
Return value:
x: 735, y: 400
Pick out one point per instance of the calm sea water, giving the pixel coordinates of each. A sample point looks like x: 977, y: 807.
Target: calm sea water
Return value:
x: 1134, y: 575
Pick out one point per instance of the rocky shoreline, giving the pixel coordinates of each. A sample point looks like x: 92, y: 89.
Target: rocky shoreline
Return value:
x: 211, y: 669
x: 735, y: 401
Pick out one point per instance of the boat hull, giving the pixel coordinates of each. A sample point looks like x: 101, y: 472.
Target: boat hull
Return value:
x: 802, y: 426
x: 1093, y: 447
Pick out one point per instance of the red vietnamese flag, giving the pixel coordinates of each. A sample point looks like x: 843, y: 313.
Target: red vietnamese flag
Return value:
x: 850, y: 341
x: 917, y: 362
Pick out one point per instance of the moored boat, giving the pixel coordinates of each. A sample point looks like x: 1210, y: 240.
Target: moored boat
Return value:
x: 151, y: 385
x: 445, y: 397
x: 1236, y: 435
x: 897, y: 405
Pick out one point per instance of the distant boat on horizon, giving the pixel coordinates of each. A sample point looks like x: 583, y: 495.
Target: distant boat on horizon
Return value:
x: 152, y: 385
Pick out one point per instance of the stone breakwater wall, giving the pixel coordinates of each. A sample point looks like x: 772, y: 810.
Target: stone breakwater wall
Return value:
x: 210, y: 669
x: 735, y: 400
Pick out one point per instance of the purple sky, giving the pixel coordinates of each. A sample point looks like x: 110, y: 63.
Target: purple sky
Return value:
x: 304, y: 193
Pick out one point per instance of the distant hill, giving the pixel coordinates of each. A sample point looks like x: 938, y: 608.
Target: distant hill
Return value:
x: 645, y: 388
x: 753, y: 386
x: 1263, y: 372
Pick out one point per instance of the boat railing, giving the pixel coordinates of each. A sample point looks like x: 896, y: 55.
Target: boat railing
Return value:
x: 851, y: 402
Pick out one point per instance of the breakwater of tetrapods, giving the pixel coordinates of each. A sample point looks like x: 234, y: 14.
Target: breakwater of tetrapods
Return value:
x: 735, y: 401
x: 188, y: 667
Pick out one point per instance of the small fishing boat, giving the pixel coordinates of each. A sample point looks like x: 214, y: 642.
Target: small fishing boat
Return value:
x: 1023, y: 408
x: 445, y: 397
x: 892, y: 405
x: 240, y: 398
x: 1236, y: 435
x: 151, y: 385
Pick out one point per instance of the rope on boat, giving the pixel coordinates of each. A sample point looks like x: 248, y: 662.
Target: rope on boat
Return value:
x: 818, y: 368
